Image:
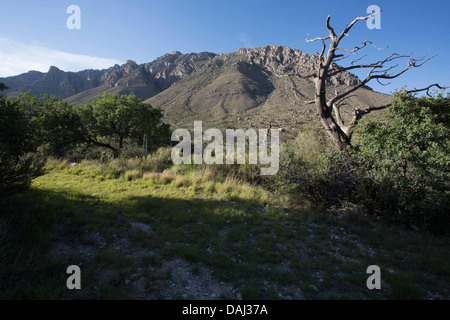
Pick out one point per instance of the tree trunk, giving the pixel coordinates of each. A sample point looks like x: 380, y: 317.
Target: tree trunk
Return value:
x: 335, y: 127
x: 104, y: 145
x: 340, y: 139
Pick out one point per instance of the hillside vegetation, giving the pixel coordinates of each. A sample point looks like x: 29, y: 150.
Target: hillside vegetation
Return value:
x: 191, y: 233
x: 96, y: 187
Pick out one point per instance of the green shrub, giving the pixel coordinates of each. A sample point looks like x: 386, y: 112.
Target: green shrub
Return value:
x: 408, y: 158
x: 111, y: 172
x: 5, y: 246
x: 157, y: 161
x: 18, y: 165
x: 132, y: 175
x: 313, y: 173
x: 16, y: 174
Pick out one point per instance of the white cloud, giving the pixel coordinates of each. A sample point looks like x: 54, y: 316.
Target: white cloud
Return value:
x: 245, y: 39
x: 17, y: 58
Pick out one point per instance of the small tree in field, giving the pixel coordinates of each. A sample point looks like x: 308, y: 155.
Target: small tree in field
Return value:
x: 326, y: 68
x: 111, y: 121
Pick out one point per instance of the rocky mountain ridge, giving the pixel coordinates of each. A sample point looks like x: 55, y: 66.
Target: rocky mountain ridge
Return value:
x: 160, y: 74
x: 258, y: 85
x: 153, y: 77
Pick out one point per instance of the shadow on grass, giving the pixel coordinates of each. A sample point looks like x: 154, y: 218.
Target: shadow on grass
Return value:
x: 243, y: 242
x: 29, y: 223
x: 231, y: 237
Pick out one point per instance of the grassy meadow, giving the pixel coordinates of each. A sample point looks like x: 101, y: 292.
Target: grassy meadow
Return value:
x: 143, y: 229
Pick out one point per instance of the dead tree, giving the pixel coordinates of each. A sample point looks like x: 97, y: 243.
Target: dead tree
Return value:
x: 329, y: 109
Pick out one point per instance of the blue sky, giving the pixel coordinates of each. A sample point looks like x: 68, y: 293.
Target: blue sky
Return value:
x: 34, y: 34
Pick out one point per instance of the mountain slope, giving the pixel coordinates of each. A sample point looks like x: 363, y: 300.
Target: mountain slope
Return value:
x: 55, y: 81
x: 247, y: 88
x: 82, y: 87
x: 254, y: 87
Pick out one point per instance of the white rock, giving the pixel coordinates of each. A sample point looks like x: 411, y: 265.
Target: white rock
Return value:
x: 313, y: 287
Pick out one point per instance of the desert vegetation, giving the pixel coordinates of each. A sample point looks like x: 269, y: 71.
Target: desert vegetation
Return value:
x: 83, y: 186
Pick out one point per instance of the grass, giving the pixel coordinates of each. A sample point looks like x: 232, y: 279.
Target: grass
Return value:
x: 118, y: 220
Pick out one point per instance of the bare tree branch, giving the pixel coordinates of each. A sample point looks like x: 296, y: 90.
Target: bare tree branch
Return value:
x: 344, y: 32
x: 339, y: 121
x: 316, y: 39
x: 323, y: 49
x: 328, y: 108
x: 342, y: 57
x: 356, y: 49
x: 349, y: 26
x: 427, y: 89
x: 375, y: 65
x: 383, y: 84
x: 330, y: 29
x: 412, y: 63
x: 361, y: 112
x: 359, y: 59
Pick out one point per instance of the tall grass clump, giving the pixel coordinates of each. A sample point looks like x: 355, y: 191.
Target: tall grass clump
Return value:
x: 313, y: 173
x: 158, y: 161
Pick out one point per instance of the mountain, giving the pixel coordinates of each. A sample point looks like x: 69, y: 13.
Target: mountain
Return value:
x: 254, y: 87
x: 82, y: 87
x: 246, y: 88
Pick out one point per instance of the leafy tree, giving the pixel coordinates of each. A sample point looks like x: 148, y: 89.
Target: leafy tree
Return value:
x: 56, y: 124
x: 17, y: 165
x: 408, y: 155
x: 15, y: 130
x: 113, y: 121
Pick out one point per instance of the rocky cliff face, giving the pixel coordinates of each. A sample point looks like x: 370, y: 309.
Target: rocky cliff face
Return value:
x: 170, y: 68
x: 23, y: 79
x: 249, y: 87
x: 253, y: 87
x: 283, y: 61
x: 223, y: 83
x: 154, y: 77
x: 55, y: 81
x: 64, y: 84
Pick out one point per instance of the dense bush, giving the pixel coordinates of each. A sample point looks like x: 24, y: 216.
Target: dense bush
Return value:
x: 312, y: 172
x: 400, y: 167
x: 408, y: 157
x: 107, y: 128
x: 18, y: 165
x: 56, y: 125
x: 16, y: 173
